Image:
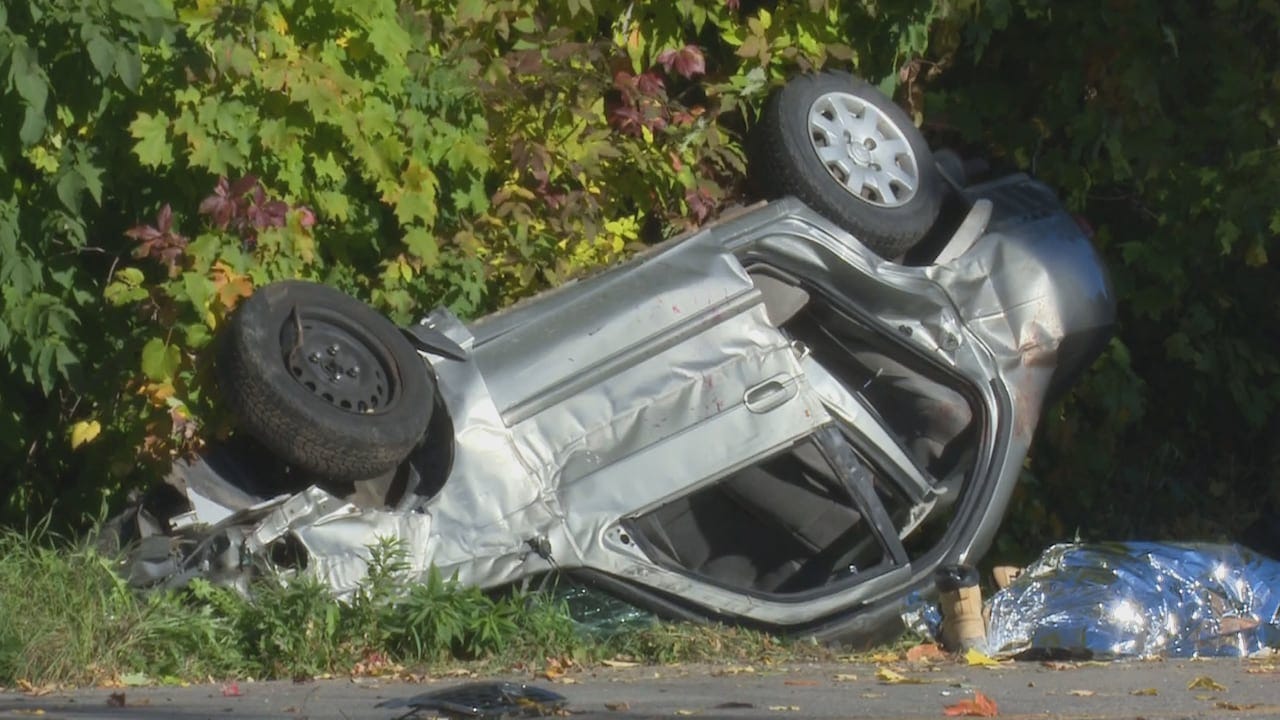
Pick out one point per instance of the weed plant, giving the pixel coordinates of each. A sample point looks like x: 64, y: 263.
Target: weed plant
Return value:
x: 67, y: 617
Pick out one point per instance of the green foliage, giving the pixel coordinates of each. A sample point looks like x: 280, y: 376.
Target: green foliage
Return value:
x: 1168, y: 146
x: 65, y: 616
x: 160, y: 158
x: 412, y: 153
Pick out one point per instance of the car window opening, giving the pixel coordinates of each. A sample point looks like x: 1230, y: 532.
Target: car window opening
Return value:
x: 787, y: 525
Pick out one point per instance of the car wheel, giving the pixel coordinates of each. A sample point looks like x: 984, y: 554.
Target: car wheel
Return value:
x: 849, y: 152
x: 324, y: 381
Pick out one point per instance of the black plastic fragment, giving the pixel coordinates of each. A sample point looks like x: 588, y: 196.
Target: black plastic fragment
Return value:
x: 483, y: 700
x: 429, y: 340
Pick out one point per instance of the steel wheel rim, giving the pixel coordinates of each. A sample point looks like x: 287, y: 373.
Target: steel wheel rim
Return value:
x: 863, y: 150
x: 338, y: 362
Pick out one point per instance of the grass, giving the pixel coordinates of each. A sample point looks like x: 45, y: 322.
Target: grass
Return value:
x: 67, y: 618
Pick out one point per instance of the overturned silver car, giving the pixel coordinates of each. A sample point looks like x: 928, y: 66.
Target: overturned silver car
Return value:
x: 775, y: 420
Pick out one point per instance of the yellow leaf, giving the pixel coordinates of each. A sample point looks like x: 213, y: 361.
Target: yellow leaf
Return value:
x: 1083, y: 693
x: 158, y: 393
x: 1204, y: 682
x: 844, y: 677
x: 1144, y: 691
x: 84, y: 432
x: 889, y: 677
x: 977, y: 657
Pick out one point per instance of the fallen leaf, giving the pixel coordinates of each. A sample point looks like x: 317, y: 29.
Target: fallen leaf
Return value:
x: 979, y: 706
x: 619, y: 663
x: 1203, y: 696
x: 115, y: 700
x: 889, y: 677
x: 686, y: 712
x: 974, y: 656
x: 926, y: 652
x: 37, y: 690
x: 1204, y: 682
x: 617, y: 706
x: 32, y: 711
x: 1234, y: 706
x: 844, y: 677
x: 1144, y: 691
x: 1082, y: 693
x: 884, y: 657
x: 231, y: 689
x: 554, y: 669
x: 733, y: 670
x: 784, y: 708
x: 458, y: 672
x: 871, y: 695
x: 802, y: 683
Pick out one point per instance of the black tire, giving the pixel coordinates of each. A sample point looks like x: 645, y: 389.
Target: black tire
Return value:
x: 283, y: 390
x: 888, y: 214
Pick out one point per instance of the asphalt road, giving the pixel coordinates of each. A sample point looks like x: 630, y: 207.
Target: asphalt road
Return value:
x: 1149, y: 689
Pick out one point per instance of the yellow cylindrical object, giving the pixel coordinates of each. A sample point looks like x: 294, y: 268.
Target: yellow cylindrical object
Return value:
x: 960, y: 598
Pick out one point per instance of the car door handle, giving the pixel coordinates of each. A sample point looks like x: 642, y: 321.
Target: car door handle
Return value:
x: 769, y: 394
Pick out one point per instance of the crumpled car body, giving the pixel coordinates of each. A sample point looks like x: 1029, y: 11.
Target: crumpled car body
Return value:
x: 760, y: 422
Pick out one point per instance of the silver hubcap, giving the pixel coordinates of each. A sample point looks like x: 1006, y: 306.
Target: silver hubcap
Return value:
x: 863, y: 149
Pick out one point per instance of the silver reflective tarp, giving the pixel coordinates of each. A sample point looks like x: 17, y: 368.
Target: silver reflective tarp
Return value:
x: 1139, y: 599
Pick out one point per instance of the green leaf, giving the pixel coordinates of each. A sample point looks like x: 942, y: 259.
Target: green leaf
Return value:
x: 160, y: 361
x: 422, y: 244
x: 90, y: 174
x: 69, y: 187
x: 26, y: 76
x: 413, y: 204
x: 33, y: 124
x: 198, y: 336
x: 152, y: 134
x: 119, y: 293
x: 129, y: 68
x: 469, y: 11
x: 198, y: 289
x: 102, y: 54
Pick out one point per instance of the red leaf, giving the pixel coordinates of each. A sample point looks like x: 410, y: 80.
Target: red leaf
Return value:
x: 979, y: 706
x: 144, y: 233
x: 219, y: 206
x: 685, y: 62
x: 925, y: 652
x: 624, y: 81
x: 624, y: 118
x: 164, y: 219
x: 242, y: 186
x: 231, y: 689
x: 650, y: 83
